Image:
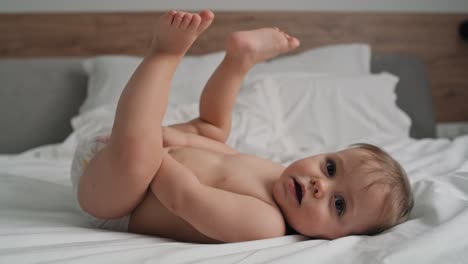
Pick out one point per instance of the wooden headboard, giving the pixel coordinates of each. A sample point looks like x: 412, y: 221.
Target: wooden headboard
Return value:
x: 432, y: 37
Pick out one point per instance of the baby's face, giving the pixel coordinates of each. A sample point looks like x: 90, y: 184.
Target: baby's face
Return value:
x: 325, y: 196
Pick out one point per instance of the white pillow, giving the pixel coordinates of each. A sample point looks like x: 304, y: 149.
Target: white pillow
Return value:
x: 351, y: 59
x: 282, y: 116
x: 108, y: 75
x: 333, y: 111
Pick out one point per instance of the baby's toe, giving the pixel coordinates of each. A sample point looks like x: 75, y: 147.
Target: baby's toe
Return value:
x: 196, y: 20
x: 177, y: 19
x: 206, y: 18
x: 166, y: 19
x: 186, y: 21
x: 293, y: 42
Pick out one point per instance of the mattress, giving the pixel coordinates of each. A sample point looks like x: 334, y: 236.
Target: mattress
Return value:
x: 40, y: 220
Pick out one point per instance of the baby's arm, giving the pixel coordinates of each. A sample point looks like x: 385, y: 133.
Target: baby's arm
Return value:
x: 219, y: 214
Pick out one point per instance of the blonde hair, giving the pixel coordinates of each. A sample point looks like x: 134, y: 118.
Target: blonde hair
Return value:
x: 399, y: 201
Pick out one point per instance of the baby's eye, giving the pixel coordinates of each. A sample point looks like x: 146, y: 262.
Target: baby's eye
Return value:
x: 340, y: 205
x: 331, y: 168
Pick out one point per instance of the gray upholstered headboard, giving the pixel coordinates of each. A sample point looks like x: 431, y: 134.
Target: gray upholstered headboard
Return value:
x: 413, y: 91
x: 38, y: 97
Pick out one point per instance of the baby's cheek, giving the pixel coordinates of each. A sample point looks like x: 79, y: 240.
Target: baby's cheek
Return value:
x: 313, y: 221
x: 320, y: 215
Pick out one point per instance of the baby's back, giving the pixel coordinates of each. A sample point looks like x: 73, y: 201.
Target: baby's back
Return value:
x: 237, y: 173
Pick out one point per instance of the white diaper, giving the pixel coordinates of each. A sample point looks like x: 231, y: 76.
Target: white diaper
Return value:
x: 85, y: 151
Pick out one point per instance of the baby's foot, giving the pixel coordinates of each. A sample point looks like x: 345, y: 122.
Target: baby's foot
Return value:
x: 176, y: 31
x: 258, y: 45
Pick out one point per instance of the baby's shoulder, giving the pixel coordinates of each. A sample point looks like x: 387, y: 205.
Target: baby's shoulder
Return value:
x: 262, y: 221
x: 273, y: 223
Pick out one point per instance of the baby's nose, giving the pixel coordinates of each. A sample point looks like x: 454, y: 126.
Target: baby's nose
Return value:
x: 318, y: 188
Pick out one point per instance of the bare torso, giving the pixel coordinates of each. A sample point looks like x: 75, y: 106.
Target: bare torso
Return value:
x: 237, y: 173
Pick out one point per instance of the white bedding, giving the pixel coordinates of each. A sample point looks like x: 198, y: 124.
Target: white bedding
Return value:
x: 39, y: 220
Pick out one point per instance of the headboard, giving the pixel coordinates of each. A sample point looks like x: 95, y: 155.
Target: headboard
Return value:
x: 432, y: 37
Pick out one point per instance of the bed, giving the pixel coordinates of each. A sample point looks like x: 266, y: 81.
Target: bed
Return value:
x: 58, y: 86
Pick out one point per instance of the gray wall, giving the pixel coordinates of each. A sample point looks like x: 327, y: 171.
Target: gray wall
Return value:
x: 444, y: 6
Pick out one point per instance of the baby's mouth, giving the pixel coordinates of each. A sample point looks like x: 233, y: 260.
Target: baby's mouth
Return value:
x: 299, y: 190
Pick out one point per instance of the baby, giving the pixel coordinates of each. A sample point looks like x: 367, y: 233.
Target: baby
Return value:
x: 184, y: 182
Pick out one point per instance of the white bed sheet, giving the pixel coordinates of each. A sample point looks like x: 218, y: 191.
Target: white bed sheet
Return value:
x: 40, y: 222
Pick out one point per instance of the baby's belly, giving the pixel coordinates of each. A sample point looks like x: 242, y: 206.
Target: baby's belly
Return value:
x: 152, y: 218
x: 208, y: 166
x: 237, y: 173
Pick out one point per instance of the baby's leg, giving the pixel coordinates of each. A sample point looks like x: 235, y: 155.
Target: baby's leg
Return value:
x: 243, y: 50
x: 118, y: 177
